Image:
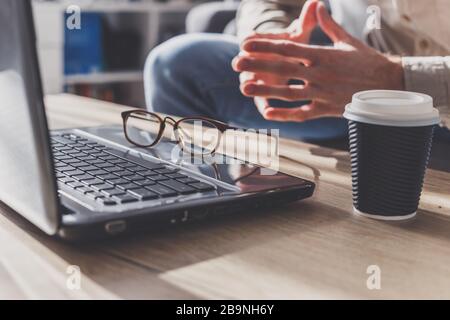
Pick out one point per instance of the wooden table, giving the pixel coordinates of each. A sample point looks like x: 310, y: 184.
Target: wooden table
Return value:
x: 313, y: 249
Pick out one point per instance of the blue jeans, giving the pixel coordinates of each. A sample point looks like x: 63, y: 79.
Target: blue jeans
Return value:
x: 191, y: 75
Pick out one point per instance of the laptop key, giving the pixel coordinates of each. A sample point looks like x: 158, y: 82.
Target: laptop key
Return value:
x: 90, y: 143
x: 65, y: 179
x: 102, y: 187
x: 161, y: 190
x: 79, y: 154
x: 97, y: 172
x: 92, y: 182
x: 61, y: 140
x: 88, y: 168
x: 59, y: 175
x: 95, y: 195
x: 94, y: 153
x: 135, y: 177
x: 116, y: 161
x: 71, y: 152
x: 167, y: 171
x: 75, y: 145
x: 59, y: 164
x: 85, y: 177
x: 147, y: 173
x: 75, y: 184
x: 104, y: 165
x: 178, y: 186
x: 107, y: 176
x: 125, y: 198
x: 103, y: 154
x: 66, y: 168
x: 128, y: 186
x: 107, y: 158
x: 201, y: 186
x: 145, y: 182
x: 74, y: 173
x: 138, y: 169
x: 84, y: 149
x: 108, y: 201
x: 62, y: 158
x: 62, y: 148
x: 72, y: 161
x: 124, y: 173
x: 144, y: 194
x: 113, y: 169
x: 117, y: 181
x: 58, y: 154
x: 126, y: 165
x: 158, y: 177
x: 176, y: 176
x: 145, y: 163
x: 84, y: 189
x: 113, y: 192
x: 80, y: 163
x: 86, y: 158
x: 188, y: 180
x: 95, y: 162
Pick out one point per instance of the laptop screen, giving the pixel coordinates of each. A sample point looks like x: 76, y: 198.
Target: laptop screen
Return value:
x: 27, y: 183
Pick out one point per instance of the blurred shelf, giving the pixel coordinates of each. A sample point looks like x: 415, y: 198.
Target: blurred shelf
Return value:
x: 104, y: 77
x: 120, y: 6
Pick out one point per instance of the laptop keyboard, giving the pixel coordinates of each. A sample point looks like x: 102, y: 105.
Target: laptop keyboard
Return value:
x: 101, y: 174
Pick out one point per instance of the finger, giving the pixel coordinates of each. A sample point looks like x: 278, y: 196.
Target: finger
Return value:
x: 272, y: 36
x: 261, y: 104
x: 307, y: 112
x: 254, y: 55
x: 261, y: 78
x: 307, y: 21
x: 330, y: 27
x: 286, y: 92
x: 245, y: 77
x: 300, y: 52
x: 279, y: 67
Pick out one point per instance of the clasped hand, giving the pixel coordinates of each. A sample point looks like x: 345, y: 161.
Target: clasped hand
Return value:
x: 330, y: 74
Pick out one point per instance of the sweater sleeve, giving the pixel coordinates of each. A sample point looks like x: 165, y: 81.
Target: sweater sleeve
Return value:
x: 430, y: 75
x: 266, y: 15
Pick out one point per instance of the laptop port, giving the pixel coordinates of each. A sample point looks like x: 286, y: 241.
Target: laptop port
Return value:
x: 116, y: 227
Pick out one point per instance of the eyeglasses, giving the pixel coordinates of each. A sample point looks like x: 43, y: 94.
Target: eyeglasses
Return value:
x: 196, y: 135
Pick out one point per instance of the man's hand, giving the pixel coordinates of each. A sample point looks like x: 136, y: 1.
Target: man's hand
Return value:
x: 299, y: 31
x: 331, y: 74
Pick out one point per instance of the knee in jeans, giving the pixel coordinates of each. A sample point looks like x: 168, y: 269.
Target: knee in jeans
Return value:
x: 176, y: 57
x: 173, y: 63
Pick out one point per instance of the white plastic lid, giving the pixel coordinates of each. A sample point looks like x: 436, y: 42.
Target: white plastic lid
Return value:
x: 392, y: 108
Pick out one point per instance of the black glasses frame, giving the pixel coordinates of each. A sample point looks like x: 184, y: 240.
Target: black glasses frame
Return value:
x: 222, y: 127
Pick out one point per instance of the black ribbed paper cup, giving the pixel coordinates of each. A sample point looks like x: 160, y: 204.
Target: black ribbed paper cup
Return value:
x: 388, y: 168
x: 391, y: 136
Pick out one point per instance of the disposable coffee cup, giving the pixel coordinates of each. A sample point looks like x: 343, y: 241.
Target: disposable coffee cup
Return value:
x: 391, y: 135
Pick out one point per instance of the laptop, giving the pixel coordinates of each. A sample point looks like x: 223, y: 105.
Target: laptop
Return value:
x: 87, y: 183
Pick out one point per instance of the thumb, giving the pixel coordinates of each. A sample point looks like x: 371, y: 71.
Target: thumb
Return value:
x: 329, y: 26
x: 307, y: 21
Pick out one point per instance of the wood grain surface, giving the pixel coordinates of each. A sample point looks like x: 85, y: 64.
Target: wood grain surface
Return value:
x: 314, y: 249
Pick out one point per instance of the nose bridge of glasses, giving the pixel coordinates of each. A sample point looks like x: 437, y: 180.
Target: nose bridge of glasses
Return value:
x: 169, y: 120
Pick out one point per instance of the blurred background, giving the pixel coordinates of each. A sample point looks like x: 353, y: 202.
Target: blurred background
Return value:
x: 105, y: 58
